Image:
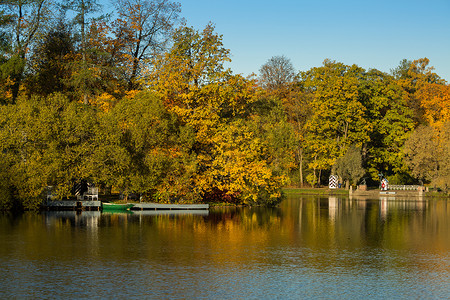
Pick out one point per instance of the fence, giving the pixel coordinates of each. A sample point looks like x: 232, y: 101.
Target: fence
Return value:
x: 402, y: 187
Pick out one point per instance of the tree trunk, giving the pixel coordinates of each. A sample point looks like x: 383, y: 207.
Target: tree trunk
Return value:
x: 318, y: 180
x: 314, y: 171
x: 300, y: 165
x: 83, y: 53
x: 17, y: 78
x: 131, y: 82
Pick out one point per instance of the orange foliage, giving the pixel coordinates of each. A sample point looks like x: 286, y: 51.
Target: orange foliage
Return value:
x: 435, y: 100
x: 104, y: 102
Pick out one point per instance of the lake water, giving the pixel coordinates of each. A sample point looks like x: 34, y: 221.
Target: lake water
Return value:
x: 308, y: 247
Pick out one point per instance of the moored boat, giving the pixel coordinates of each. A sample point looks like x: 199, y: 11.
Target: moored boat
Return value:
x: 116, y: 206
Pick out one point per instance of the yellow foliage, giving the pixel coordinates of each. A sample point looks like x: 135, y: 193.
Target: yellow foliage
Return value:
x: 131, y: 94
x: 5, y: 90
x: 104, y: 102
x: 238, y: 167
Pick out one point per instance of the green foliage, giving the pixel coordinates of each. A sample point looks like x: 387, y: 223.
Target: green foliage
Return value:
x: 46, y: 142
x: 391, y: 123
x: 338, y: 116
x: 354, y: 106
x: 142, y: 148
x: 349, y: 167
x: 401, y: 178
x: 401, y: 71
x: 10, y: 74
x: 6, y: 199
x: 428, y: 154
x: 50, y: 62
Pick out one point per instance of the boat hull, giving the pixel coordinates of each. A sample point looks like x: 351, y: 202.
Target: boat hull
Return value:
x: 116, y: 207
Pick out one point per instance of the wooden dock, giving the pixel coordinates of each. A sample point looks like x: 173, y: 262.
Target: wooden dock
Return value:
x: 173, y: 212
x: 97, y: 205
x: 72, y: 205
x: 158, y: 206
x: 390, y: 195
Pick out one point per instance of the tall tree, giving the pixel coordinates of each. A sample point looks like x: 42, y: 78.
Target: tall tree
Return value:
x: 435, y: 102
x: 391, y: 122
x: 46, y: 141
x: 401, y: 71
x: 49, y: 62
x: 417, y: 75
x: 104, y: 76
x: 428, y: 154
x: 279, y: 83
x: 20, y: 23
x: 142, y: 149
x: 338, y: 115
x: 144, y: 27
x: 277, y: 74
x: 194, y: 63
x: 82, y: 9
x: 193, y: 82
x: 297, y: 106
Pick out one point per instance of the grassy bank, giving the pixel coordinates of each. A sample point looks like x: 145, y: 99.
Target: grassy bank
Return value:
x: 344, y: 192
x: 314, y: 191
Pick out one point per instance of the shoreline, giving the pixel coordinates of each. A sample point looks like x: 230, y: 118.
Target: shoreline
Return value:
x: 370, y: 193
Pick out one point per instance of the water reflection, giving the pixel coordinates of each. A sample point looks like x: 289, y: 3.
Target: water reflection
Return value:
x: 88, y: 219
x: 315, y: 222
x: 307, y: 247
x: 331, y: 222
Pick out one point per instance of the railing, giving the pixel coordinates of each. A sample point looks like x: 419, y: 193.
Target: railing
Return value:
x: 92, y: 191
x: 90, y: 195
x: 402, y: 187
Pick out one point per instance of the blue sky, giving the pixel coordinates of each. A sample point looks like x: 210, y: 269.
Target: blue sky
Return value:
x: 372, y: 34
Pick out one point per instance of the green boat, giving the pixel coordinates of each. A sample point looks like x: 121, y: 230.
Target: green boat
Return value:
x: 116, y: 206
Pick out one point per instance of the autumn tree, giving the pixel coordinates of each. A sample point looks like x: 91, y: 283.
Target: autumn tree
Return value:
x: 338, y: 117
x: 46, y: 141
x: 82, y: 9
x: 281, y: 86
x: 189, y: 79
x: 391, y: 122
x: 427, y: 96
x: 279, y: 138
x: 244, y: 167
x: 412, y: 79
x: 20, y: 22
x: 435, y: 102
x: 297, y: 107
x: 428, y: 154
x: 49, y: 62
x: 143, y: 29
x: 276, y: 75
x: 105, y: 83
x: 193, y: 83
x: 142, y: 148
